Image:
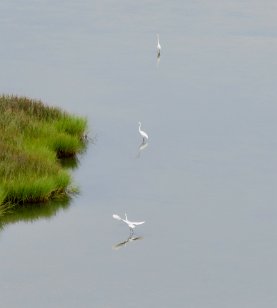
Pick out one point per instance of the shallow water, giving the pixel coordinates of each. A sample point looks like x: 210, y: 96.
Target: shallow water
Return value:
x: 205, y: 184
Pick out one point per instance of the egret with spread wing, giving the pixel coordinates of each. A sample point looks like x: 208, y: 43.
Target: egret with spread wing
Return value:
x: 131, y: 224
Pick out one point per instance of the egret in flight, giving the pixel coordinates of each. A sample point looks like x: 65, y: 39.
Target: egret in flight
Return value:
x: 158, y: 47
x: 143, y: 134
x: 131, y: 224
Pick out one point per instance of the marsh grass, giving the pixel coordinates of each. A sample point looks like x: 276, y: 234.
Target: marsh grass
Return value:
x: 34, y: 137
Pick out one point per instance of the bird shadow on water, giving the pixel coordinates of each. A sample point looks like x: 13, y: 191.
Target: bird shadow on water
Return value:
x: 124, y: 243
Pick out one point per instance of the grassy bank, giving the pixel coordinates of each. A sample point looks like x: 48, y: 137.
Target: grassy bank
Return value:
x: 33, y: 137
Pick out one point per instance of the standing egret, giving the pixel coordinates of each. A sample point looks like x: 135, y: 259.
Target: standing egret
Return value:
x: 131, y: 224
x: 158, y: 47
x: 143, y: 134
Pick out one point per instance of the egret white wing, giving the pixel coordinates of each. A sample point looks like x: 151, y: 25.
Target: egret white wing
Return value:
x: 115, y: 216
x: 137, y: 223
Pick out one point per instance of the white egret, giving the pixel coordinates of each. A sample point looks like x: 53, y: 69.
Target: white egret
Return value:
x: 158, y: 47
x: 143, y: 134
x: 131, y: 224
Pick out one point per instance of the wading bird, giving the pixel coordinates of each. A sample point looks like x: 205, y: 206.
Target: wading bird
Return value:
x: 158, y: 47
x: 143, y: 134
x: 131, y: 224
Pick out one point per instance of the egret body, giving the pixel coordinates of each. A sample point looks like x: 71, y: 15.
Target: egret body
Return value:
x: 142, y: 133
x: 131, y: 224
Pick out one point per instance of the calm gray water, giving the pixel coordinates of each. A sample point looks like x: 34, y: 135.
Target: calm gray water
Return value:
x: 206, y: 182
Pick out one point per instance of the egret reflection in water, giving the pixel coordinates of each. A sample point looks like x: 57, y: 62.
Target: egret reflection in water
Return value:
x: 158, y: 51
x: 158, y: 46
x: 128, y: 240
x: 158, y: 60
x: 141, y: 147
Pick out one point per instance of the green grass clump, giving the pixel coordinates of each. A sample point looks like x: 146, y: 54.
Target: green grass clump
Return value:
x: 33, y: 139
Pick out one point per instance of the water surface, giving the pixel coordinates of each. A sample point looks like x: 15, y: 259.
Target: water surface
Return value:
x: 206, y: 182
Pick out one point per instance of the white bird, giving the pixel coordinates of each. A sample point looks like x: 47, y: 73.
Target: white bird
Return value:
x: 143, y: 134
x: 131, y: 224
x: 158, y: 47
